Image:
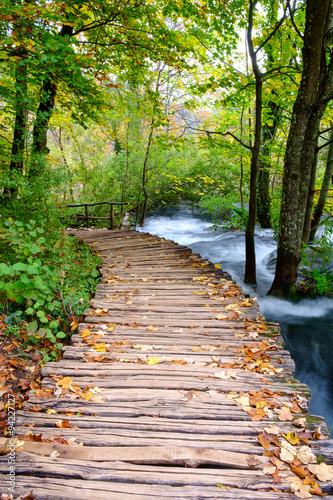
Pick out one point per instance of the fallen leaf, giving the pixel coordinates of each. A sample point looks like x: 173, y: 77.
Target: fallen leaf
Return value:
x: 153, y: 361
x: 299, y: 422
x: 298, y: 487
x: 322, y: 471
x: 63, y: 424
x: 284, y: 414
x: 269, y: 469
x: 305, y: 455
x: 152, y: 328
x: 74, y: 323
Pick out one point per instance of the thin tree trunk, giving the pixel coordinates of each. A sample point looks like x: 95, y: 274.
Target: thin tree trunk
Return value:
x: 20, y: 125
x: 318, y: 212
x: 44, y: 113
x: 144, y: 175
x: 241, y: 162
x: 250, y: 257
x: 264, y: 199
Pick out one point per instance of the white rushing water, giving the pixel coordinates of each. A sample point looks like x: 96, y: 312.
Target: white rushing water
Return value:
x: 307, y: 326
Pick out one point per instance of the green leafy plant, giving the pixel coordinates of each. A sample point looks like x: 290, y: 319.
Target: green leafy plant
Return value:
x: 44, y: 280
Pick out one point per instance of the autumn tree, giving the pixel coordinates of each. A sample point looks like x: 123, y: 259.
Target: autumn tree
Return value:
x: 315, y: 91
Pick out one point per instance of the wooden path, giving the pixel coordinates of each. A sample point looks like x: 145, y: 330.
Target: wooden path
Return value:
x: 173, y: 388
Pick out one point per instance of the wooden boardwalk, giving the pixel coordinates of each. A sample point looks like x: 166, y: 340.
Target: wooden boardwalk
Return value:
x: 173, y: 388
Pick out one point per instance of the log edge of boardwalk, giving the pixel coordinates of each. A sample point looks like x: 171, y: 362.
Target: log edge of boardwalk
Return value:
x: 174, y: 387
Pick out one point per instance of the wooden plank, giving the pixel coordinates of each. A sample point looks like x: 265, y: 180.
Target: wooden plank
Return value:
x: 175, y: 455
x: 74, y: 489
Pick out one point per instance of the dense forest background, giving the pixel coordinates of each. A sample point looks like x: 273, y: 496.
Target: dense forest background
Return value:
x: 225, y: 104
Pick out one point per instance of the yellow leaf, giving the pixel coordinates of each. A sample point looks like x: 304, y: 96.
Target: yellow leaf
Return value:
x: 74, y: 323
x: 87, y: 395
x: 65, y: 382
x: 85, y: 333
x: 153, y: 361
x: 232, y: 307
x: 200, y: 293
x: 217, y: 266
x: 95, y: 243
x: 99, y: 347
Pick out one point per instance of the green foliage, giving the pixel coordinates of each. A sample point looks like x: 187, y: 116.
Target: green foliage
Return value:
x: 315, y: 265
x: 46, y: 277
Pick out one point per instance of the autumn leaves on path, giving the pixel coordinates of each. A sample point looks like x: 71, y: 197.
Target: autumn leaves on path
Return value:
x: 173, y: 366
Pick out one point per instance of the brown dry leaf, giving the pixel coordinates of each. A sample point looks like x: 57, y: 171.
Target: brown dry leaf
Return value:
x: 101, y: 312
x: 258, y: 415
x: 264, y: 440
x: 269, y: 469
x: 322, y: 471
x: 297, y: 469
x: 63, y: 424
x: 253, y: 462
x: 298, y: 487
x: 317, y: 434
x: 299, y: 422
x: 284, y: 414
x: 152, y: 328
x: 221, y: 316
x: 243, y: 400
x: 305, y: 455
x: 273, y: 429
x: 279, y: 464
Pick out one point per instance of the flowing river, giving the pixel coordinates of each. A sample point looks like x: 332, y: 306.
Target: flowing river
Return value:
x: 307, y: 326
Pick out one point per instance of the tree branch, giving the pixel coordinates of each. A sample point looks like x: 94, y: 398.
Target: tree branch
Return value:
x: 293, y: 21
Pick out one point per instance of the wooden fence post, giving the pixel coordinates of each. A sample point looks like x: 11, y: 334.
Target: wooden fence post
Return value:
x: 87, y: 216
x: 111, y: 216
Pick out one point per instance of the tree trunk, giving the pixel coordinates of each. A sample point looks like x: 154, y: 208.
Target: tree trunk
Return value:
x: 318, y: 212
x: 250, y: 256
x: 20, y: 126
x: 264, y: 199
x: 144, y: 175
x: 44, y: 113
x: 300, y: 149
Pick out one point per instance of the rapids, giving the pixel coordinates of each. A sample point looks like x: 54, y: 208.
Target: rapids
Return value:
x: 307, y: 326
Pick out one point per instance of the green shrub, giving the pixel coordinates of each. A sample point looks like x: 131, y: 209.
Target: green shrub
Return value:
x: 46, y: 277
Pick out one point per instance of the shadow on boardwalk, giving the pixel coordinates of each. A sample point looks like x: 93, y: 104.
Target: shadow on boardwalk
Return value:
x: 173, y: 369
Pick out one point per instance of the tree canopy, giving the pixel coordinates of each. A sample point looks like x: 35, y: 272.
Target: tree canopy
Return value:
x: 225, y: 104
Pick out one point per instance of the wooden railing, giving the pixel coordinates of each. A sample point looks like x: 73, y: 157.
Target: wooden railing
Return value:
x: 88, y: 217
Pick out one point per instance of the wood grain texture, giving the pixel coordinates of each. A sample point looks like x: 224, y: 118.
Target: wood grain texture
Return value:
x: 148, y: 390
